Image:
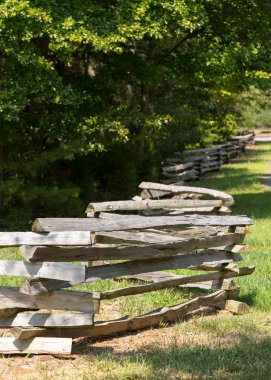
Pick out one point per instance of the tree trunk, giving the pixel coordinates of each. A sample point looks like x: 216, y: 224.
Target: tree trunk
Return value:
x: 142, y: 132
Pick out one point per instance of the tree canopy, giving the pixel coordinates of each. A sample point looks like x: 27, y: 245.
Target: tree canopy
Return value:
x: 94, y: 94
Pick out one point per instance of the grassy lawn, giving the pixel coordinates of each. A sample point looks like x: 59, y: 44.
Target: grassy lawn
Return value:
x: 218, y: 346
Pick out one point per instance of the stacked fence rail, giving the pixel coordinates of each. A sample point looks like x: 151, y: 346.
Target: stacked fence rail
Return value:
x: 140, y: 240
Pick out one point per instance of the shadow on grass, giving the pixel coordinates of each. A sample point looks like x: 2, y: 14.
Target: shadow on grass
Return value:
x: 232, y: 356
x: 229, y: 178
x: 249, y: 297
x: 254, y: 205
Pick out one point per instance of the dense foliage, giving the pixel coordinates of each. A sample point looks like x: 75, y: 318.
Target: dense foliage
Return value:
x: 94, y: 94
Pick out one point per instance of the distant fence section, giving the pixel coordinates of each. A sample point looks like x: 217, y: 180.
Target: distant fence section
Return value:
x: 166, y: 227
x: 191, y: 165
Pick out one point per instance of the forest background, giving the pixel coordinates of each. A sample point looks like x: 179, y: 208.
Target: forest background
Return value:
x: 94, y: 95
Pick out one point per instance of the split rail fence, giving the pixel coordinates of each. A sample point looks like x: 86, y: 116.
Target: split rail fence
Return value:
x: 191, y: 229
x: 191, y: 165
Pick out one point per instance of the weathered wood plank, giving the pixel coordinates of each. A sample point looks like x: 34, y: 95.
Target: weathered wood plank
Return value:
x: 6, y: 311
x: 15, y: 239
x: 105, y: 252
x: 198, y: 210
x: 203, y: 260
x: 73, y: 273
x: 24, y: 333
x: 164, y: 276
x: 133, y: 237
x: 157, y: 212
x: 153, y: 318
x: 151, y: 194
x: 237, y: 307
x: 213, y: 149
x: 157, y: 236
x: 189, y: 174
x: 57, y: 346
x: 107, y: 215
x: 11, y: 297
x: 228, y: 200
x: 28, y: 319
x: 247, y: 137
x: 173, y: 282
x: 151, y: 205
x: 177, y: 168
x: 134, y: 222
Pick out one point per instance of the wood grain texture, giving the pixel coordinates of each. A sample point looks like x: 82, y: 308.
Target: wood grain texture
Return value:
x: 105, y: 252
x: 237, y: 307
x: 228, y: 200
x: 15, y: 239
x: 177, y: 168
x: 151, y: 205
x: 203, y: 260
x: 11, y: 297
x: 157, y: 236
x: 185, y: 176
x: 27, y: 319
x: 24, y: 333
x: 40, y: 345
x: 136, y: 222
x: 153, y: 318
x: 164, y: 276
x: 213, y: 149
x: 173, y: 282
x: 73, y: 273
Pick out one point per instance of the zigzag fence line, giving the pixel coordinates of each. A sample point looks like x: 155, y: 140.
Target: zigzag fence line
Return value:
x: 190, y: 229
x: 191, y: 165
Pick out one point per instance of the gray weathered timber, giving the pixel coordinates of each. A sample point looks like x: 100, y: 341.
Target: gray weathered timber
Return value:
x: 133, y: 237
x: 203, y: 260
x: 213, y: 149
x: 144, y: 266
x: 56, y: 346
x: 27, y: 319
x: 196, y: 159
x: 73, y: 273
x: 134, y: 222
x: 15, y: 239
x: 228, y: 200
x: 9, y: 311
x: 156, y: 236
x: 24, y: 333
x: 189, y: 174
x: 10, y: 297
x: 171, y: 283
x: 164, y: 276
x: 177, y: 168
x: 198, y: 210
x: 131, y: 252
x: 156, y: 212
x: 153, y: 318
x: 247, y: 137
x: 106, y: 215
x: 237, y: 307
x: 152, y: 194
x: 151, y: 205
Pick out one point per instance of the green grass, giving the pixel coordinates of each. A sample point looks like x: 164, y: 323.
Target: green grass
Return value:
x: 221, y: 346
x: 242, y: 179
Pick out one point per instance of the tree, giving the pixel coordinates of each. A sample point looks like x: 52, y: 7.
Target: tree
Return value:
x: 84, y: 84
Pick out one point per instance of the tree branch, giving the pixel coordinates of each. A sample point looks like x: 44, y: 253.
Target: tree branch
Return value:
x: 180, y: 43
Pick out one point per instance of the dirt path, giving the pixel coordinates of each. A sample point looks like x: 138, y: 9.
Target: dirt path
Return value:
x: 265, y: 137
x: 266, y: 178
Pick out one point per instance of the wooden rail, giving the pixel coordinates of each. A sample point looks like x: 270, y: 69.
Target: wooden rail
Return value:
x: 190, y: 165
x: 43, y: 316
